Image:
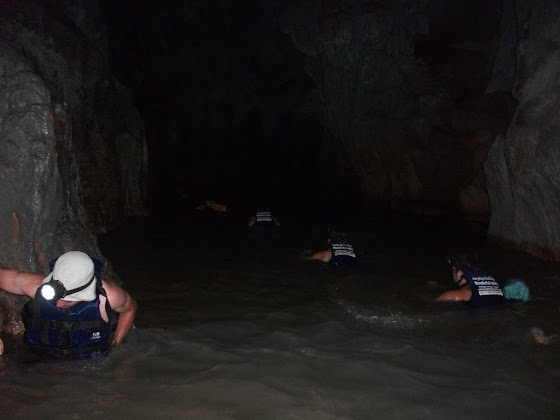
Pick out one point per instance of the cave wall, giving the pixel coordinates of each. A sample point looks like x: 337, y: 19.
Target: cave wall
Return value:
x: 226, y: 98
x: 522, y: 169
x: 74, y: 160
x: 438, y: 117
x: 405, y: 92
x: 416, y: 100
x: 417, y: 106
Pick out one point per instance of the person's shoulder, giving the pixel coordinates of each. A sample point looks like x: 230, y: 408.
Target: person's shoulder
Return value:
x: 116, y: 295
x: 111, y: 288
x: 109, y: 284
x: 120, y: 300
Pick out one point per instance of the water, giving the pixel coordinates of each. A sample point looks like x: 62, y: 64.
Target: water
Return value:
x: 232, y: 324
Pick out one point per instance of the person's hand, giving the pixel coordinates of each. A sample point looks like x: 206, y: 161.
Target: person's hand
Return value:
x: 1, y: 347
x: 537, y: 333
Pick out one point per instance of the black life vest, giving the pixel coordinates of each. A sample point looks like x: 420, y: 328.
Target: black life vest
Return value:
x: 264, y: 218
x: 342, y: 255
x: 485, y: 289
x: 77, y: 332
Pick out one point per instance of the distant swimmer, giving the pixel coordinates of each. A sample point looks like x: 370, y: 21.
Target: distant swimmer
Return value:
x: 263, y: 218
x: 212, y: 206
x: 339, y: 253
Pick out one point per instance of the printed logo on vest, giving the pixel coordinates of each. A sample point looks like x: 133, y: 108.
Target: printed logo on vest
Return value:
x: 95, y: 336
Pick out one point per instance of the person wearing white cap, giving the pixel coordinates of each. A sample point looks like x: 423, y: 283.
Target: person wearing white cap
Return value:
x: 71, y: 313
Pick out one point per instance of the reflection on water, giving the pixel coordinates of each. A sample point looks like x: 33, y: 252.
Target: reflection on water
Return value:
x: 232, y: 324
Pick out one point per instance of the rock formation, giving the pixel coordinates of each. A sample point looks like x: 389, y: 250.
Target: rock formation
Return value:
x: 522, y: 170
x: 74, y: 161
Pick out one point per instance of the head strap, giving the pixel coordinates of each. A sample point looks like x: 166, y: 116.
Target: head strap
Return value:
x: 77, y: 289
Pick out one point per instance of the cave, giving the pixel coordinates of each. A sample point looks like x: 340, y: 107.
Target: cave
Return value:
x: 420, y: 124
x: 414, y: 107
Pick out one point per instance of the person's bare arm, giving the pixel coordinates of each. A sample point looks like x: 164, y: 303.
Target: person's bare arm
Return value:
x: 125, y: 306
x: 19, y: 282
x: 324, y: 256
x: 463, y: 294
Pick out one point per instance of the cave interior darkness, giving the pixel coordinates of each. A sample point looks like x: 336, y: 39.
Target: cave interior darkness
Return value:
x: 224, y: 97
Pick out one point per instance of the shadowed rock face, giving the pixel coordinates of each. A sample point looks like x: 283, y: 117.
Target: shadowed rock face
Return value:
x: 73, y: 161
x: 31, y: 185
x: 411, y: 95
x: 522, y: 169
x: 422, y: 106
x: 403, y: 88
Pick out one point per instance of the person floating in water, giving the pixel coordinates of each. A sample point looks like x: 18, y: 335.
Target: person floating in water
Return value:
x: 476, y: 287
x: 212, y: 206
x: 72, y: 313
x: 472, y: 283
x: 339, y: 253
x: 263, y: 218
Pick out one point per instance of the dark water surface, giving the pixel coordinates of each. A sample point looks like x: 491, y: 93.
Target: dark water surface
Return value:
x: 232, y: 324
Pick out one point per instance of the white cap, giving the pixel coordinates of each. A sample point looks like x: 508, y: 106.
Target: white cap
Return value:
x: 74, y: 269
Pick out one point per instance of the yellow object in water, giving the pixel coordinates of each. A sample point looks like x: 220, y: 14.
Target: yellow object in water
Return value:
x: 219, y: 207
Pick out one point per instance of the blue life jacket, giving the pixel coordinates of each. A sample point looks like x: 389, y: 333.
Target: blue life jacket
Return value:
x: 485, y: 289
x: 342, y: 255
x: 77, y: 332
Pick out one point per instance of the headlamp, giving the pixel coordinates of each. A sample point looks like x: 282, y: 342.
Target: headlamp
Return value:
x: 55, y: 290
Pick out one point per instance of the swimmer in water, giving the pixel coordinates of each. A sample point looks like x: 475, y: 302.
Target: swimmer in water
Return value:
x: 71, y: 313
x: 339, y: 253
x: 263, y: 218
x: 473, y: 284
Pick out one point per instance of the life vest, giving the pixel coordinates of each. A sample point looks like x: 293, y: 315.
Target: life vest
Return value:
x: 264, y: 218
x: 342, y: 254
x: 485, y: 289
x: 77, y: 332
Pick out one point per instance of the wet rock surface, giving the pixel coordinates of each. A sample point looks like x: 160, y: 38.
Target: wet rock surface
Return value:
x: 74, y: 160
